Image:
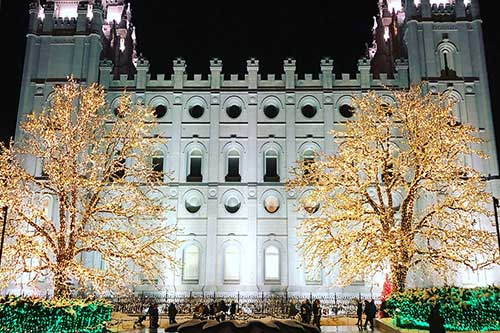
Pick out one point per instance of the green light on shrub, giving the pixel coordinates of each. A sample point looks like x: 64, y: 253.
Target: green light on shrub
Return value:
x: 21, y: 315
x: 463, y: 309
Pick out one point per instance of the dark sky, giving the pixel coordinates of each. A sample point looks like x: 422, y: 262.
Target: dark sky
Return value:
x: 270, y: 31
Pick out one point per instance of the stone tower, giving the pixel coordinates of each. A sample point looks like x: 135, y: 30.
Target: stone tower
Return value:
x: 71, y: 37
x: 442, y: 41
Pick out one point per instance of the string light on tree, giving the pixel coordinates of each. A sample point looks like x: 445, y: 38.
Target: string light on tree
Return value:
x: 397, y: 193
x: 97, y: 172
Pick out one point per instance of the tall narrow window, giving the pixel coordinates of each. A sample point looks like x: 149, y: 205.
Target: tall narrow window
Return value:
x: 447, y: 53
x: 194, y: 167
x: 117, y: 168
x: 271, y: 166
x: 157, y: 162
x: 272, y: 264
x: 233, y: 166
x: 308, y: 157
x: 231, y: 264
x: 41, y: 172
x: 191, y: 264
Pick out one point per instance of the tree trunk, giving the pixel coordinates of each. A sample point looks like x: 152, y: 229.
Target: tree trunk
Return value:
x: 61, y: 287
x: 398, y: 276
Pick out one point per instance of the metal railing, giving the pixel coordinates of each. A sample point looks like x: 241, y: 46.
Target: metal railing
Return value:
x: 249, y: 305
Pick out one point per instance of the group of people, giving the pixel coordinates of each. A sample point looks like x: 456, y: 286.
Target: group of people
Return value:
x: 307, y: 312
x: 154, y: 315
x: 370, y: 311
x: 217, y: 311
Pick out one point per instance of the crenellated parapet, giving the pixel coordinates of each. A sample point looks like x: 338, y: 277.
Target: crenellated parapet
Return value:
x: 253, y: 80
x: 65, y: 19
x: 445, y: 11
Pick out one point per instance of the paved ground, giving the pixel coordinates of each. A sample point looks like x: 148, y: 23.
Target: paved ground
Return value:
x: 325, y: 329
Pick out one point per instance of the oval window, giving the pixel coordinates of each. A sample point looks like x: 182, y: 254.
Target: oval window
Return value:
x: 311, y: 207
x: 346, y: 110
x: 196, y: 111
x: 271, y: 111
x: 308, y: 111
x: 271, y: 204
x: 232, y: 204
x: 160, y: 111
x: 193, y: 202
x: 233, y: 111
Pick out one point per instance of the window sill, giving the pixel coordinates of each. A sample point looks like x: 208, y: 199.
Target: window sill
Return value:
x: 194, y: 179
x: 271, y: 179
x: 233, y: 179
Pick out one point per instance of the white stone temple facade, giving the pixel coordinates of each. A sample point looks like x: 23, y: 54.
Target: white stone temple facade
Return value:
x: 231, y: 139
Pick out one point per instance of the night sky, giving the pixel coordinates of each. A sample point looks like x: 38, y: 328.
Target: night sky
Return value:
x: 269, y: 31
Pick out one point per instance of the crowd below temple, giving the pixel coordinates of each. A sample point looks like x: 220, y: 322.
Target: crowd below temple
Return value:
x: 306, y: 312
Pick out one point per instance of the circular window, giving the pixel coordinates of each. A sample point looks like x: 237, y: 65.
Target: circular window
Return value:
x: 308, y: 111
x: 311, y: 207
x: 271, y: 111
x: 386, y: 108
x: 271, y: 204
x: 196, y: 111
x: 193, y: 202
x: 233, y: 111
x: 160, y: 111
x: 232, y: 204
x: 346, y: 110
x: 118, y: 112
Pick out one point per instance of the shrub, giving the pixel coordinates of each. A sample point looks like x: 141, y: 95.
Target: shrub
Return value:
x: 30, y: 314
x: 463, y: 309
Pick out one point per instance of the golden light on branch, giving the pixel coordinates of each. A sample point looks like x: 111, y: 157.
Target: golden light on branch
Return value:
x: 97, y: 196
x: 397, y: 193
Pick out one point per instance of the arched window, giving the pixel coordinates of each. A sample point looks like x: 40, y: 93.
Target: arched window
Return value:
x: 272, y: 263
x: 41, y: 172
x: 231, y: 264
x: 194, y: 166
x: 117, y: 167
x: 447, y: 53
x: 233, y: 166
x: 271, y: 166
x: 157, y: 164
x: 191, y: 264
x: 308, y: 157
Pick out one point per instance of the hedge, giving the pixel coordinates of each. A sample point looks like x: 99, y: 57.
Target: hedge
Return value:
x: 34, y: 315
x: 463, y: 309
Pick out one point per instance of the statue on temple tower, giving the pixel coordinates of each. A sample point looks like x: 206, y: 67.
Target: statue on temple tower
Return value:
x: 119, y: 39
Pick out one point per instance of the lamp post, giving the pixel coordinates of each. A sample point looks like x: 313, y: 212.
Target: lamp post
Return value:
x: 495, y: 209
x: 4, y: 223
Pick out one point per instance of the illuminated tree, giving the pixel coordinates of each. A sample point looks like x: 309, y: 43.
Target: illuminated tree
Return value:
x: 99, y: 181
x: 398, y: 192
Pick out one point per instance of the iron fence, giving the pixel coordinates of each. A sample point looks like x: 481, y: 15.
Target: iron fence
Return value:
x: 250, y: 305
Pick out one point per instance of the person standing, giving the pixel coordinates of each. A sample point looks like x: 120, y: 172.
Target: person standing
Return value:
x: 316, y: 310
x: 308, y: 311
x: 292, y: 310
x: 172, y: 312
x: 371, y: 312
x: 232, y: 310
x: 154, y: 316
x: 303, y: 311
x: 368, y: 311
x: 436, y: 321
x: 359, y: 313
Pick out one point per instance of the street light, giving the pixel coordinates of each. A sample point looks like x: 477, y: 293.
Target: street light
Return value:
x: 496, y: 205
x: 4, y: 223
